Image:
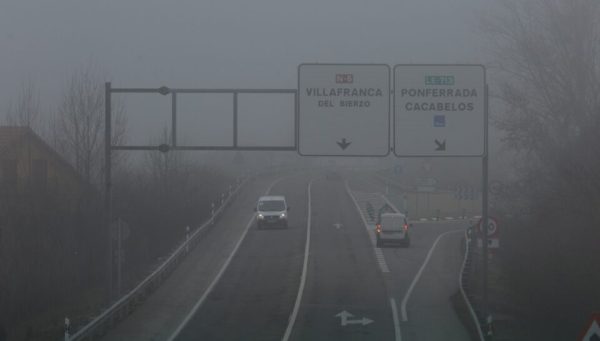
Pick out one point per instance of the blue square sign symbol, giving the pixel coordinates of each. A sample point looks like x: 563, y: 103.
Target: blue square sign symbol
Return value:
x: 439, y: 121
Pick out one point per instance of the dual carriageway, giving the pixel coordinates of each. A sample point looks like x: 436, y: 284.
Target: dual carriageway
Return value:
x: 320, y: 279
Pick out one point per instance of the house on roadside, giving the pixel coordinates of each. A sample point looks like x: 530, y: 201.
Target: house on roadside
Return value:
x: 50, y: 234
x: 29, y: 165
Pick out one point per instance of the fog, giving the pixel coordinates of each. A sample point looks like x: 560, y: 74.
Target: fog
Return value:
x: 60, y: 223
x: 218, y: 44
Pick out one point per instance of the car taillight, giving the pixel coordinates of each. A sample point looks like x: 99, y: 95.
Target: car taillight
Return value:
x: 378, y: 227
x: 405, y: 227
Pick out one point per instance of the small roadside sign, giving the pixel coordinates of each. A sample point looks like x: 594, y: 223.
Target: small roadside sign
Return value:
x: 592, y: 332
x: 492, y: 233
x: 492, y: 227
x: 343, y: 109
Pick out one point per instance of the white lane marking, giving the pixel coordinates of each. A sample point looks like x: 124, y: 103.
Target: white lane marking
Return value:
x: 220, y: 274
x: 337, y: 225
x: 381, y: 260
x: 418, y: 276
x: 397, y: 332
x: 378, y: 253
x: 292, y: 319
x: 382, y: 264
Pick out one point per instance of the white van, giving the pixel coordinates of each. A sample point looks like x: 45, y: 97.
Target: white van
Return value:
x: 271, y: 210
x: 392, y: 227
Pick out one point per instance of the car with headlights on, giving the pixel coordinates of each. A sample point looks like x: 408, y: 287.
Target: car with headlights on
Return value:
x: 272, y: 211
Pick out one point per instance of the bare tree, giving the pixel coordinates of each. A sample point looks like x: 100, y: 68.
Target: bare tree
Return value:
x: 546, y: 66
x: 25, y: 110
x: 166, y: 168
x: 78, y: 127
x: 547, y: 56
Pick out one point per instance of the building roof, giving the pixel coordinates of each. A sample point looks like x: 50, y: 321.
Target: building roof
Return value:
x: 10, y: 136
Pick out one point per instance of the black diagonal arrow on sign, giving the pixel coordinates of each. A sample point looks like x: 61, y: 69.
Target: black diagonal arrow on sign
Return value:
x: 441, y: 146
x: 343, y: 143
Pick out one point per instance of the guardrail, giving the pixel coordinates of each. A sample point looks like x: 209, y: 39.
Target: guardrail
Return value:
x: 126, y: 304
x: 464, y: 272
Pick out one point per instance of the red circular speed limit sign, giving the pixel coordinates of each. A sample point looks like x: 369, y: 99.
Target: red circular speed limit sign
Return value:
x: 492, y: 226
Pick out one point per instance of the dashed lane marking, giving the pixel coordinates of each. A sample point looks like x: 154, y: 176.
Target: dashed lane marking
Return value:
x: 378, y: 253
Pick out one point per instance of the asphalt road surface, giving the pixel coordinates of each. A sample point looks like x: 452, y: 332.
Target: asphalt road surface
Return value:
x: 349, y: 290
x: 320, y: 279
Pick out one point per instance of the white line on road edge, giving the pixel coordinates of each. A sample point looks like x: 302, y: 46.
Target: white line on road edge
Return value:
x: 378, y: 253
x: 464, y: 295
x: 220, y: 274
x: 292, y: 319
x: 397, y: 332
x: 416, y: 279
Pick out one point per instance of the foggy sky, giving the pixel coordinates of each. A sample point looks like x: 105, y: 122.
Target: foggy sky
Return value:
x: 222, y: 44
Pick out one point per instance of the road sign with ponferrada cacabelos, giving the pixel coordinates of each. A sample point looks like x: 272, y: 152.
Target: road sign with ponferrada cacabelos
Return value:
x: 439, y: 110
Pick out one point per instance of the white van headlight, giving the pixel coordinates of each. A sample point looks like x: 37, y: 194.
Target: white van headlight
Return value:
x: 282, y: 216
x: 260, y: 216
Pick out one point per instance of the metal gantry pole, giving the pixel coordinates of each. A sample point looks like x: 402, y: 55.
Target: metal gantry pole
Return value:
x: 484, y: 211
x: 108, y: 187
x: 119, y: 256
x: 173, y: 119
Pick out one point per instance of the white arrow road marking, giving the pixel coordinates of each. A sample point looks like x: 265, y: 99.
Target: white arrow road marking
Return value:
x: 344, y: 319
x: 337, y: 225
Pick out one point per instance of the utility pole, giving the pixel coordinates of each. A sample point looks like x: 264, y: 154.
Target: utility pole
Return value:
x: 108, y: 188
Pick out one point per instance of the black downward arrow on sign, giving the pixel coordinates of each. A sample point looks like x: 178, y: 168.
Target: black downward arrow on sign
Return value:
x: 441, y: 146
x: 343, y: 144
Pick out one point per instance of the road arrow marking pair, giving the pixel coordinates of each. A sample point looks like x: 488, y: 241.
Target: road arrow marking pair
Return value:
x: 345, y: 319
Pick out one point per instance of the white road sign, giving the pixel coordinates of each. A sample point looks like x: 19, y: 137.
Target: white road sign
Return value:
x: 439, y: 110
x: 343, y: 109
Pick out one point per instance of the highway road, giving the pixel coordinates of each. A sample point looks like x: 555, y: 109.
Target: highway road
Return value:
x: 320, y: 279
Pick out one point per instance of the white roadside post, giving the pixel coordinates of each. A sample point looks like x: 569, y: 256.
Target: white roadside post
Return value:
x: 212, y: 212
x: 187, y: 239
x: 67, y: 329
x: 490, y: 327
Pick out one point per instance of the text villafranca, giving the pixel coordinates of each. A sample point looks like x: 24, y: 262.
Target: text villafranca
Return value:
x: 344, y: 92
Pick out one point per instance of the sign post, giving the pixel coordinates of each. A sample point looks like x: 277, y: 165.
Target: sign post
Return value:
x: 343, y: 109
